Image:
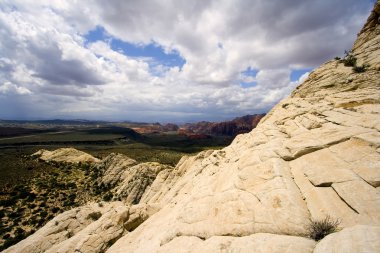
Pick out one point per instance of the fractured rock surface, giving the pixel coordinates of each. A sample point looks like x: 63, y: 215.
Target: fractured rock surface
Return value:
x: 127, y: 179
x: 75, y: 229
x: 315, y: 154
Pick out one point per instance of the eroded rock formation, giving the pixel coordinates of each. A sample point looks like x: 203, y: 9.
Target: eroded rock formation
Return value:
x: 68, y: 155
x: 228, y: 128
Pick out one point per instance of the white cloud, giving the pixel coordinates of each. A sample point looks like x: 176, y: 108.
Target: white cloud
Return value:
x: 10, y: 88
x: 45, y: 62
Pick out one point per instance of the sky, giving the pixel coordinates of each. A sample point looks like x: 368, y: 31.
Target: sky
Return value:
x: 164, y: 60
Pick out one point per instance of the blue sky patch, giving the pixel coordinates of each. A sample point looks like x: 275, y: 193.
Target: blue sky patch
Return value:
x: 152, y: 50
x: 249, y: 72
x: 248, y: 85
x: 297, y: 73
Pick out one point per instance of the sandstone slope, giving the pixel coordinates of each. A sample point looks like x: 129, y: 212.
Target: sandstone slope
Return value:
x: 69, y: 155
x: 126, y: 179
x: 96, y: 226
x: 317, y: 153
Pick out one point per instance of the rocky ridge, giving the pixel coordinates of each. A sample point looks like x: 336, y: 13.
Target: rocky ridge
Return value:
x: 126, y: 179
x: 317, y: 153
x: 233, y: 127
x: 69, y: 155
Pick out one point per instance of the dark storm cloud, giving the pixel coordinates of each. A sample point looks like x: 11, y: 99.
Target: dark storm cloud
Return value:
x: 47, y: 62
x: 49, y: 65
x: 40, y: 53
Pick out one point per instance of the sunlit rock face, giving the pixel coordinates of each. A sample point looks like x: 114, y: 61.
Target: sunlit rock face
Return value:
x: 67, y: 155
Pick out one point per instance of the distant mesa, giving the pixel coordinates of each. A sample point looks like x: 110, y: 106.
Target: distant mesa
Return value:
x: 232, y: 128
x: 155, y: 128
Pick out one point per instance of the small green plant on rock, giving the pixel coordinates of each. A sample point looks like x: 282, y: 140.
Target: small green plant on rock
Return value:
x: 318, y: 229
x: 349, y: 60
x: 360, y: 69
x: 108, y: 196
x: 94, y: 216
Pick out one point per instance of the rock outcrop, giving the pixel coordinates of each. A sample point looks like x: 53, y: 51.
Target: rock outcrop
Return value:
x: 316, y: 154
x: 126, y: 179
x: 227, y: 128
x: 115, y: 165
x: 75, y: 229
x: 68, y: 155
x: 90, y: 228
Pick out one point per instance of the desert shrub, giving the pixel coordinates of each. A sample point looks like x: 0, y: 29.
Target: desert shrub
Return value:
x: 8, y: 202
x: 14, y: 215
x: 360, y: 69
x: 66, y: 203
x: 40, y: 222
x: 32, y: 196
x: 71, y: 185
x: 318, y: 229
x: 16, y: 220
x: 108, y: 196
x: 23, y: 194
x: 43, y: 214
x: 349, y: 60
x: 19, y: 231
x: 72, y: 197
x: 94, y: 216
x: 9, y: 242
x: 33, y: 221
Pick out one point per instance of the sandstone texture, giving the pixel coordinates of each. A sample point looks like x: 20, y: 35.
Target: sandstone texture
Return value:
x: 69, y: 155
x: 315, y: 154
x: 126, y: 179
x: 75, y: 225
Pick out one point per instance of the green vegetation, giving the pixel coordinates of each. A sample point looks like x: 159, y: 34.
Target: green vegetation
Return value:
x: 95, y: 215
x: 320, y: 228
x: 27, y: 206
x: 33, y: 192
x: 163, y: 148
x: 350, y: 61
x: 360, y: 69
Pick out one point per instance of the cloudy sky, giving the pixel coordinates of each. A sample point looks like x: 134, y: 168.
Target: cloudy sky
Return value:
x: 164, y: 60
